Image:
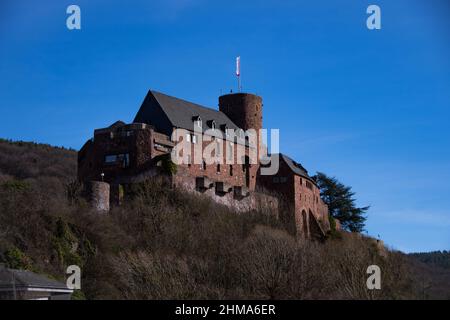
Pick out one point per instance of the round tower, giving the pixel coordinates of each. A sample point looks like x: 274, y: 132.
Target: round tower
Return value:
x: 97, y: 193
x: 244, y: 109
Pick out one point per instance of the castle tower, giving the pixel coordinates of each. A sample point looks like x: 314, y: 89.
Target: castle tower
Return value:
x: 97, y: 193
x: 244, y: 109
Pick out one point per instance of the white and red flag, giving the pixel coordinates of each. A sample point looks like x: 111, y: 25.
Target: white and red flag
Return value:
x: 238, y: 66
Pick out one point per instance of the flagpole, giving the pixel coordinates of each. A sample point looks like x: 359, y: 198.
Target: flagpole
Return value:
x: 238, y: 72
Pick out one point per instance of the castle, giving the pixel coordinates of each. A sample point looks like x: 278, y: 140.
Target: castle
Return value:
x: 123, y: 154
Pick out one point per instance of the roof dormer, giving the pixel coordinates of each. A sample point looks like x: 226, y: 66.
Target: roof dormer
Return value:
x: 212, y: 124
x: 197, y: 121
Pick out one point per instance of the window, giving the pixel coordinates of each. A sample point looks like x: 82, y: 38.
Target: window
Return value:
x: 203, y: 167
x: 110, y: 158
x: 188, y: 137
x: 231, y: 170
x: 198, y: 121
x: 213, y: 125
x: 225, y: 129
x: 123, y: 159
x: 194, y: 138
x: 218, y: 168
x: 276, y: 180
x: 283, y: 179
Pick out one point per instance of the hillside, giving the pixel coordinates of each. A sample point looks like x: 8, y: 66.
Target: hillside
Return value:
x: 433, y: 273
x: 435, y: 258
x: 166, y: 244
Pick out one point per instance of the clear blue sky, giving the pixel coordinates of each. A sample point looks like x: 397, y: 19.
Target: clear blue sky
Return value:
x: 369, y: 107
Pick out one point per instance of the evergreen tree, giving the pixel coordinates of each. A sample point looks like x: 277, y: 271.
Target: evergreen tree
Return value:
x: 341, y: 203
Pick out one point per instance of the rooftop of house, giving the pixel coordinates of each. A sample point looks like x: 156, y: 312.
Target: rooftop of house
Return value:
x: 24, y: 279
x: 293, y: 165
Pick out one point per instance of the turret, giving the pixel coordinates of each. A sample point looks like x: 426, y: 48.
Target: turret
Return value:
x: 244, y: 109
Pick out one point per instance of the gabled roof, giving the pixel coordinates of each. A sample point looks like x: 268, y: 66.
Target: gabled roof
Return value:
x: 295, y: 167
x: 27, y: 279
x: 181, y: 113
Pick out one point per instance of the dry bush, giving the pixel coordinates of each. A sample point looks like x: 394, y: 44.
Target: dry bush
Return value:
x: 145, y: 275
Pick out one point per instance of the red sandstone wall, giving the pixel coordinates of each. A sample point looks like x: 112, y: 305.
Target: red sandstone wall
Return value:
x: 233, y: 174
x: 307, y: 200
x: 254, y: 201
x: 297, y: 200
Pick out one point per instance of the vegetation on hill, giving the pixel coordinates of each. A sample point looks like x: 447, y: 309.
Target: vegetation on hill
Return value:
x: 432, y: 274
x: 164, y: 243
x: 435, y: 258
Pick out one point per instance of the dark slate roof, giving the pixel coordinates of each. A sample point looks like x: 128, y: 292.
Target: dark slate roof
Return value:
x: 182, y: 113
x: 296, y: 167
x: 27, y: 279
